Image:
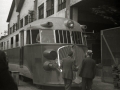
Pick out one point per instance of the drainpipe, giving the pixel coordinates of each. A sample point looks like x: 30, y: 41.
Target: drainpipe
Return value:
x: 67, y: 13
x: 35, y: 9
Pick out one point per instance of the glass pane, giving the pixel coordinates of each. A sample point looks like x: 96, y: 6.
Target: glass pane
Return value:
x: 65, y: 36
x: 28, y: 37
x: 68, y: 36
x: 47, y: 36
x: 61, y: 36
x: 76, y: 37
x: 57, y: 36
x: 35, y: 34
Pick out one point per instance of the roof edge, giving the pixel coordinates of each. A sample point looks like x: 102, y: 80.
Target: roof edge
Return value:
x: 20, y: 4
x: 11, y: 11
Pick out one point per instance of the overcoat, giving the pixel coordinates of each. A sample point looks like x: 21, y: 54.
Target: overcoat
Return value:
x: 88, y: 68
x: 67, y: 67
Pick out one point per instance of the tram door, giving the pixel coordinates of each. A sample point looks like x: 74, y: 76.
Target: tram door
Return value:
x: 21, y: 48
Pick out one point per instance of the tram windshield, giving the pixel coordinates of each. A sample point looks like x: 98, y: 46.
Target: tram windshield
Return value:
x: 76, y: 37
x: 62, y: 36
x: 65, y: 36
x: 47, y: 36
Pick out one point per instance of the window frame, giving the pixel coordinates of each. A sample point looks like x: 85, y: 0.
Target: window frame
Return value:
x: 61, y: 5
x: 41, y: 9
x: 53, y: 36
x: 63, y: 37
x: 26, y: 19
x: 21, y: 23
x: 49, y: 11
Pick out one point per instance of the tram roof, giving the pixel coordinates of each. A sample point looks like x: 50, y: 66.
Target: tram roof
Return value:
x: 58, y: 23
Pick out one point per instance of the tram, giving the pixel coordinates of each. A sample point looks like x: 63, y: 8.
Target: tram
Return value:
x: 36, y: 50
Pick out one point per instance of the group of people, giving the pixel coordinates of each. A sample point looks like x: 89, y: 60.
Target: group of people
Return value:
x: 87, y: 71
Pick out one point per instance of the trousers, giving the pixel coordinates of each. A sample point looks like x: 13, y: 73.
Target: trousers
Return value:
x: 86, y: 83
x: 67, y: 83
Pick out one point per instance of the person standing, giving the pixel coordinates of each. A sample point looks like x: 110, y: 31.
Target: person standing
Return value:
x: 67, y: 66
x: 88, y: 71
x: 6, y: 80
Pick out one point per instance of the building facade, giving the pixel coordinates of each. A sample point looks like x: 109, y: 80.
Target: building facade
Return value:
x: 23, y: 12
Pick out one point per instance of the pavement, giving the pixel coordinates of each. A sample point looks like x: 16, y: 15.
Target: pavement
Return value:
x: 97, y: 85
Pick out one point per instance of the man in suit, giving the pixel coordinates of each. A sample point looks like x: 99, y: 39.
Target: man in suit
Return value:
x: 67, y: 70
x: 88, y: 71
x: 6, y: 80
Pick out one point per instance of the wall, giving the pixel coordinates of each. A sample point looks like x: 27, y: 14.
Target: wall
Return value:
x: 28, y: 5
x: 72, y: 2
x: 13, y: 17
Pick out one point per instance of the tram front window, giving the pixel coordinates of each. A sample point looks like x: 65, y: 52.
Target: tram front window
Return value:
x: 47, y: 36
x: 62, y: 36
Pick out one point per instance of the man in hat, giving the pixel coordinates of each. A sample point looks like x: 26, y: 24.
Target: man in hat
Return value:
x: 88, y: 71
x: 67, y: 70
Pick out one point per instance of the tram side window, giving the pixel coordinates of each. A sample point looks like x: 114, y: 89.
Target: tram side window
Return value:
x: 28, y: 39
x: 7, y: 44
x: 84, y: 38
x: 1, y: 45
x: 47, y: 36
x: 17, y: 40
x: 35, y: 33
x: 76, y: 37
x: 12, y: 42
x: 62, y: 36
x: 4, y: 45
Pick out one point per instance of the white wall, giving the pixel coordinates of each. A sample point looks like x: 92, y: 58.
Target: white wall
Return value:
x: 13, y: 17
x: 72, y: 2
x: 28, y: 5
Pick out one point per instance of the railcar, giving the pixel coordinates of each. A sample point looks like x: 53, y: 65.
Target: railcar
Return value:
x: 36, y: 49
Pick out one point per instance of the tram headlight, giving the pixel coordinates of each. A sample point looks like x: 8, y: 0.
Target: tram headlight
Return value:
x: 69, y: 23
x: 48, y: 66
x: 50, y: 54
x: 83, y: 27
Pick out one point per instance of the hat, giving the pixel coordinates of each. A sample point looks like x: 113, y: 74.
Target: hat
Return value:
x: 89, y: 52
x: 70, y: 53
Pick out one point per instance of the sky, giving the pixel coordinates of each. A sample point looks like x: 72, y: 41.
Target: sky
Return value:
x: 5, y: 6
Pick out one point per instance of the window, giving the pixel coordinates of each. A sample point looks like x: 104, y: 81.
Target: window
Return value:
x: 84, y: 38
x: 4, y: 46
x: 28, y: 39
x: 12, y: 42
x: 41, y: 11
x: 76, y: 37
x: 10, y: 30
x: 18, y: 19
x: 31, y: 12
x: 16, y: 26
x: 50, y: 7
x: 47, y: 36
x: 7, y: 44
x: 17, y: 40
x: 62, y: 36
x: 21, y: 23
x: 26, y: 19
x: 61, y: 4
x: 34, y: 35
x: 1, y: 45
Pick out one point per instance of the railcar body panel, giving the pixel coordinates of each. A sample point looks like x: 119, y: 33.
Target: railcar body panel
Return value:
x: 28, y: 57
